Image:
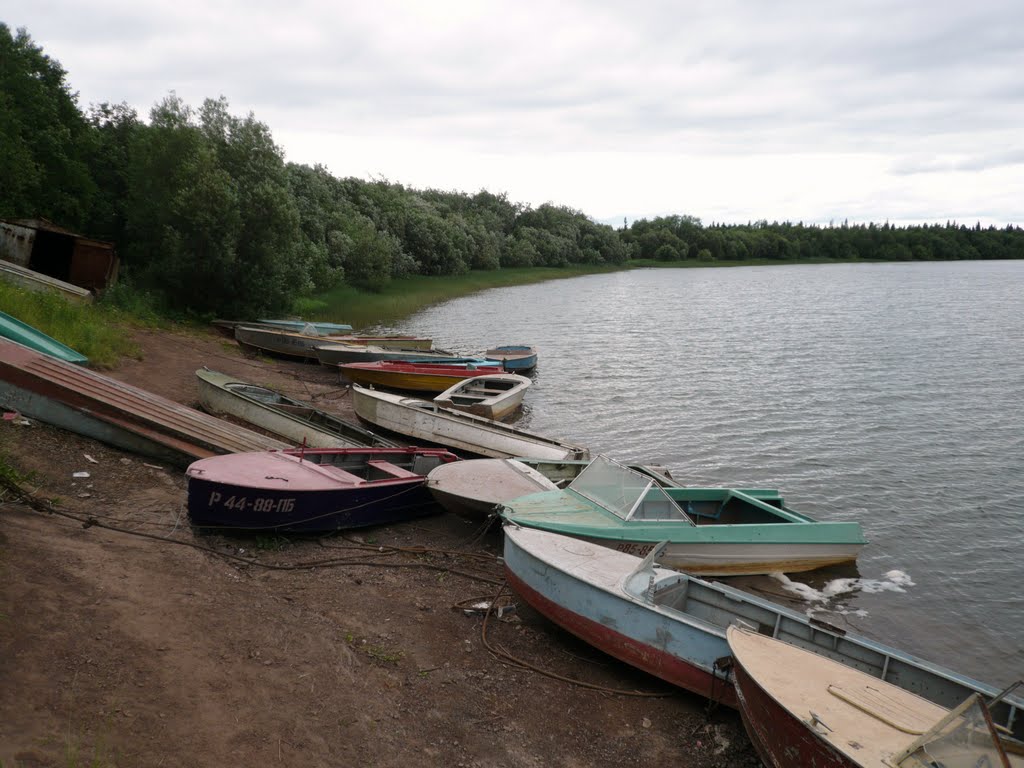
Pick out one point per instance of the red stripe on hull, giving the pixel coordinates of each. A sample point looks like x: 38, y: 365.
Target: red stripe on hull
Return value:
x: 782, y: 740
x: 640, y: 655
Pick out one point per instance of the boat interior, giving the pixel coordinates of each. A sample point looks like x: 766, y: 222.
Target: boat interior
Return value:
x: 368, y: 467
x: 635, y: 496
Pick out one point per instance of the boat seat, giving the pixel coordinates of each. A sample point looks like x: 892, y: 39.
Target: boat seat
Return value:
x: 391, y: 469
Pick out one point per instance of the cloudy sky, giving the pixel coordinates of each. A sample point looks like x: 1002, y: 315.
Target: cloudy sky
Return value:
x: 728, y: 110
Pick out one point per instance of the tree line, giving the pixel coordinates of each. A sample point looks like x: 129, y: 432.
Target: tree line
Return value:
x: 209, y: 218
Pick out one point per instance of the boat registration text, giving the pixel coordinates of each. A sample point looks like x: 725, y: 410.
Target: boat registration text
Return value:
x: 257, y: 504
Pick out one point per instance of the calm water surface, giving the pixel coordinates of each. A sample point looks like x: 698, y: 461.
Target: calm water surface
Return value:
x: 889, y: 394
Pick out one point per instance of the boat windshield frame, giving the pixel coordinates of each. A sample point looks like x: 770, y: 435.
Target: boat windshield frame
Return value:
x: 968, y: 724
x: 629, y: 495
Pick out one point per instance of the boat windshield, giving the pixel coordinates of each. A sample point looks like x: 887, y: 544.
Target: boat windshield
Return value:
x: 626, y: 493
x: 965, y: 738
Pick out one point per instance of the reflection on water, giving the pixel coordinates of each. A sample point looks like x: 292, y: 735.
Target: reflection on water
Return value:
x: 889, y: 394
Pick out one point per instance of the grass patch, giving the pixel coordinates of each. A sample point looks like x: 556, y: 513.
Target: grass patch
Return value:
x: 97, y: 331
x: 401, y: 298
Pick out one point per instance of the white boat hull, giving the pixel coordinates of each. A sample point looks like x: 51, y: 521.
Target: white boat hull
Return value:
x: 738, y: 559
x: 423, y: 420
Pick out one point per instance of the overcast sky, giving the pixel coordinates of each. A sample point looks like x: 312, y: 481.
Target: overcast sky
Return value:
x: 907, y: 111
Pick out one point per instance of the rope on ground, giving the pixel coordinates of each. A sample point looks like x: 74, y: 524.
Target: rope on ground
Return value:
x: 506, y: 657
x: 46, y: 506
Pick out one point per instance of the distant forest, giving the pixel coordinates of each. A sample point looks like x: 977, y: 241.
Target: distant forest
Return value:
x: 209, y: 218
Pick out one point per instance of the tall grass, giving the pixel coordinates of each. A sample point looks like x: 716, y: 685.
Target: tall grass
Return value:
x: 403, y: 297
x: 97, y: 331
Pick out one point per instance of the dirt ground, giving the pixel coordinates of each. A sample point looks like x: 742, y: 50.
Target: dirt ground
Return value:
x: 175, y: 648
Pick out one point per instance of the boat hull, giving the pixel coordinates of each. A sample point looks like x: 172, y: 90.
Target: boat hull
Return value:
x: 707, y: 558
x: 23, y: 333
x: 328, y: 432
x: 338, y: 354
x: 586, y: 588
x: 409, y: 381
x: 423, y: 420
x: 37, y: 281
x: 779, y: 739
x: 474, y: 488
x: 517, y: 358
x: 493, y: 396
x: 296, y: 345
x: 674, y: 652
x: 283, y: 511
x: 289, y: 492
x: 84, y: 401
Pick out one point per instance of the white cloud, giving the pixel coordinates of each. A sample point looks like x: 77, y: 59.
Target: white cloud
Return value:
x: 730, y: 110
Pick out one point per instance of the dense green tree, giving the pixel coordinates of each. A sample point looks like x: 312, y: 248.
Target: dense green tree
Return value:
x: 43, y: 137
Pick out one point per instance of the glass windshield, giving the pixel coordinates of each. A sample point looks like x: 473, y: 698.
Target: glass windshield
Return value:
x: 626, y: 493
x: 965, y: 738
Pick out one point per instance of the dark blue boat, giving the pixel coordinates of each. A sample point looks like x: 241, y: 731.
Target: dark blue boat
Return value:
x: 312, y: 491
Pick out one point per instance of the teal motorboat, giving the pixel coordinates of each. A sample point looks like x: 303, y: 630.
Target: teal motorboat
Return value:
x: 12, y: 328
x: 710, y: 531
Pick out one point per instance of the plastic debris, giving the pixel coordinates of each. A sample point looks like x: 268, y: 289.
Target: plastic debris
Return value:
x: 90, y: 458
x: 80, y: 474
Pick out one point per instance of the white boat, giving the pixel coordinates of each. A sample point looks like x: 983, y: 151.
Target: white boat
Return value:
x: 423, y: 420
x: 833, y: 714
x: 299, y: 422
x: 474, y: 488
x: 493, y: 395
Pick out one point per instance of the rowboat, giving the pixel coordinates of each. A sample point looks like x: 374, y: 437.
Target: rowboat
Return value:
x: 711, y: 531
x: 831, y: 714
x: 311, y: 491
x: 424, y: 421
x: 86, y: 402
x: 304, y: 326
x: 12, y: 328
x: 493, y: 395
x: 411, y: 377
x: 303, y: 346
x: 673, y: 625
x: 338, y: 353
x: 298, y: 422
x: 37, y: 281
x: 515, y: 357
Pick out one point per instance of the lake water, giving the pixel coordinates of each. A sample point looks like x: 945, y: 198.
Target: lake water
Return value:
x: 889, y: 394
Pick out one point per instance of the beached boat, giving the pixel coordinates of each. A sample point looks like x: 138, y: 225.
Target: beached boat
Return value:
x: 278, y: 341
x: 425, y: 421
x: 478, y: 487
x: 493, y: 396
x: 12, y: 328
x: 298, y: 422
x: 309, y: 328
x: 673, y: 625
x: 37, y: 281
x: 312, y: 491
x: 711, y: 531
x: 304, y: 326
x: 830, y: 714
x: 475, y: 487
x: 411, y: 377
x: 337, y: 353
x: 515, y: 357
x: 77, y: 399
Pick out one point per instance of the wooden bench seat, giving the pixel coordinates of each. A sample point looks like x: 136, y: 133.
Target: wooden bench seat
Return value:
x: 391, y: 469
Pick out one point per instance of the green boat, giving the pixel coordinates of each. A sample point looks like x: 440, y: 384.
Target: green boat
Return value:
x: 710, y: 531
x: 15, y: 330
